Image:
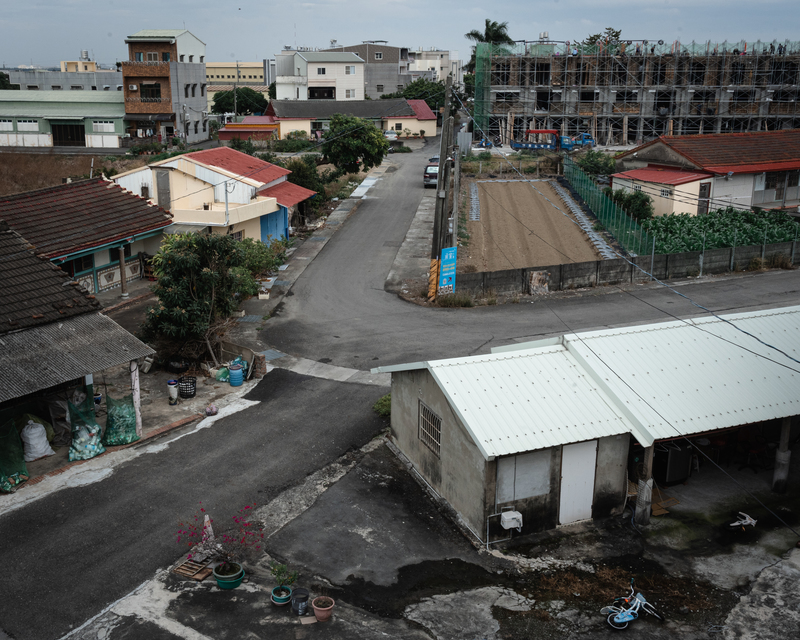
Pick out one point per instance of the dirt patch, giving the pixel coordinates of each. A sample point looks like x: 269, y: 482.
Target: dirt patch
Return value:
x: 21, y: 172
x: 519, y: 228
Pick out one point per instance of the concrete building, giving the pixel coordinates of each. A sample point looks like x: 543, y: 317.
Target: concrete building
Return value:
x: 630, y: 91
x: 692, y: 174
x: 66, y: 80
x: 386, y: 69
x: 220, y: 191
x: 566, y: 429
x: 241, y: 73
x: 164, y: 82
x: 62, y: 119
x: 440, y: 63
x: 314, y: 75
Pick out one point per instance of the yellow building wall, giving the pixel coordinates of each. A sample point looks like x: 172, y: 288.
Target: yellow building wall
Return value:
x: 287, y: 126
x: 412, y: 124
x: 682, y: 198
x: 251, y: 229
x: 186, y: 190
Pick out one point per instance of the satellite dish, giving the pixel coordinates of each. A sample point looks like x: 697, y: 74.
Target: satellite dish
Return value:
x: 644, y: 41
x: 660, y: 42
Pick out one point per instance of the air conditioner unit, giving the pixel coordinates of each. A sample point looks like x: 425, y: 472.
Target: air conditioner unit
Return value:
x: 132, y: 87
x: 205, y: 114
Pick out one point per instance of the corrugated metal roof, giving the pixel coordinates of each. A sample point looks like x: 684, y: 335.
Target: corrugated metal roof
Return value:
x: 288, y: 194
x: 663, y: 176
x: 679, y: 378
x: 52, y: 104
x: 41, y: 357
x: 655, y: 381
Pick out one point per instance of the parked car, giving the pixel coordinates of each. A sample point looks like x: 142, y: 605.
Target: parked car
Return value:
x: 434, y: 160
x: 390, y: 135
x: 431, y: 176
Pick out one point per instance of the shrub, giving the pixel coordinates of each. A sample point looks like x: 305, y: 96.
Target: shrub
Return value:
x: 596, y: 163
x: 484, y: 155
x: 383, y: 407
x: 458, y: 299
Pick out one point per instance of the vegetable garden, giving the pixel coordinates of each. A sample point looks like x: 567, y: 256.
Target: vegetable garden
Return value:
x: 682, y: 232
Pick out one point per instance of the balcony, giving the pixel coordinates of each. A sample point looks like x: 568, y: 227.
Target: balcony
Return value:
x: 150, y: 63
x: 139, y: 100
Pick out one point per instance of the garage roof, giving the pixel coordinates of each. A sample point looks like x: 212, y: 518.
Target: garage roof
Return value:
x: 654, y: 381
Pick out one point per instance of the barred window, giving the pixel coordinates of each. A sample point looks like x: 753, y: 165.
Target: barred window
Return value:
x: 666, y: 193
x: 637, y: 187
x: 430, y: 428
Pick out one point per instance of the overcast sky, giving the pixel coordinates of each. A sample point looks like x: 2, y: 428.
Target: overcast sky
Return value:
x: 43, y: 32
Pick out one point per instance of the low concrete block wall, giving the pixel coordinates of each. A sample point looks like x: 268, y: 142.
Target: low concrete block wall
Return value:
x: 576, y: 275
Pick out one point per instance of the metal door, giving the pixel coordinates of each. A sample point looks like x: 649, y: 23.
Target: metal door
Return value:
x: 702, y: 201
x: 162, y: 189
x: 578, y: 463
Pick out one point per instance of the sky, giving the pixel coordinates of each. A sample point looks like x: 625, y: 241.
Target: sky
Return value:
x: 43, y: 32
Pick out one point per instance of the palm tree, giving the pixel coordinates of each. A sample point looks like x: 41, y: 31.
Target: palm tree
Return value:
x: 493, y: 33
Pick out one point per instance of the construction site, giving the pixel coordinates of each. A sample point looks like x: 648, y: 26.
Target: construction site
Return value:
x: 631, y: 91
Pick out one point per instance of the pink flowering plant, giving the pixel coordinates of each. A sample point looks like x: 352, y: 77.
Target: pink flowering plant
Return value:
x: 230, y: 546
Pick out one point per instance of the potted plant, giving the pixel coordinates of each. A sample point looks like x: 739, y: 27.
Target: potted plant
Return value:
x: 229, y: 548
x: 323, y: 608
x: 422, y: 133
x: 407, y: 132
x: 285, y: 579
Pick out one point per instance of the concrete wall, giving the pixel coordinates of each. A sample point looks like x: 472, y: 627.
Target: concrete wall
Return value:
x: 287, y: 126
x: 736, y: 191
x: 189, y: 111
x: 605, y: 272
x: 460, y: 474
x: 46, y: 80
x: 610, y: 483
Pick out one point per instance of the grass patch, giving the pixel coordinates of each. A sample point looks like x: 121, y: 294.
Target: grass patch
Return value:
x: 458, y: 299
x: 383, y: 407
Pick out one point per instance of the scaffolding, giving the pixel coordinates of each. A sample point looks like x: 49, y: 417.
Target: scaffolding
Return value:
x: 633, y: 91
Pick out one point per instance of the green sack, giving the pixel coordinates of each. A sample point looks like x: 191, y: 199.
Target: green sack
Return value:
x: 85, y: 432
x: 13, y: 471
x: 223, y: 375
x: 121, y: 422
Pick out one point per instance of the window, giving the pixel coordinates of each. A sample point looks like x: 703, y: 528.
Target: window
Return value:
x: 6, y: 125
x: 146, y: 192
x: 202, y: 59
x: 138, y: 56
x: 33, y: 87
x: 150, y: 92
x: 430, y: 429
x: 379, y: 88
x: 379, y: 56
x: 399, y: 87
x: 320, y: 71
x: 27, y: 125
x: 94, y: 87
x: 398, y: 126
x: 237, y: 235
x: 186, y: 91
x: 56, y: 87
x: 349, y: 93
x: 196, y: 126
x: 637, y: 187
x: 666, y: 193
x: 76, y: 87
x: 126, y: 250
x: 78, y: 265
x: 165, y: 56
x: 86, y: 67
x: 191, y: 58
x: 181, y: 57
x: 204, y: 126
x: 349, y: 70
x: 103, y: 126
x: 194, y: 88
x: 202, y: 89
x: 152, y: 56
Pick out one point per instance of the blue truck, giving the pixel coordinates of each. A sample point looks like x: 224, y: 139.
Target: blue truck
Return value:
x: 575, y: 142
x: 548, y: 139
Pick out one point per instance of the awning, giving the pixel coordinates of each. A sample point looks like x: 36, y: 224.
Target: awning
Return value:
x: 185, y: 228
x: 150, y: 117
x: 42, y: 357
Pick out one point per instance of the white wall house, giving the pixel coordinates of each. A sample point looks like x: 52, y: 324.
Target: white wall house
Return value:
x: 316, y: 75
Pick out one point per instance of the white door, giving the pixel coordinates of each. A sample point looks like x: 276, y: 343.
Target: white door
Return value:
x: 577, y: 481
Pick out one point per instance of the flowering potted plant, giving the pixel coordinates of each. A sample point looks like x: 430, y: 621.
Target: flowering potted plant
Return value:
x: 229, y: 548
x: 285, y: 579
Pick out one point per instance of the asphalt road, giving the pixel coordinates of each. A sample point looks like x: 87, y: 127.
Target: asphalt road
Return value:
x: 339, y: 311
x: 67, y: 556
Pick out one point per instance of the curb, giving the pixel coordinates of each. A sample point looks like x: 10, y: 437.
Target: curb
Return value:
x: 152, y: 435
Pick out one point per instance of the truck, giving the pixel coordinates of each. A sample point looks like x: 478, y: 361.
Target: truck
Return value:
x: 575, y: 142
x: 548, y: 139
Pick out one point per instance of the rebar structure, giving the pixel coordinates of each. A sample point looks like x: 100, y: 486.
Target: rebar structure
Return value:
x: 632, y: 91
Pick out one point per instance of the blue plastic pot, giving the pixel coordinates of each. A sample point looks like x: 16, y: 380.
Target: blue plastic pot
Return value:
x: 281, y: 599
x: 231, y: 581
x: 236, y: 375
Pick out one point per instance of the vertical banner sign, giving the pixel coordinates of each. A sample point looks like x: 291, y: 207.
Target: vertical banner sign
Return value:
x: 447, y: 271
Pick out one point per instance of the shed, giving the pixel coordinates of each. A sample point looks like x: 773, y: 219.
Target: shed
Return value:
x: 546, y: 427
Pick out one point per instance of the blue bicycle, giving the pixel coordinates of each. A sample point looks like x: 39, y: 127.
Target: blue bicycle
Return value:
x: 626, y: 609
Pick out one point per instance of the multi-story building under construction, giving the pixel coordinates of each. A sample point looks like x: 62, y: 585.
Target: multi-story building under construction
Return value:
x: 630, y: 91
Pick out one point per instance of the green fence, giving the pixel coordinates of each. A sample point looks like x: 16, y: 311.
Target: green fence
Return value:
x: 619, y: 224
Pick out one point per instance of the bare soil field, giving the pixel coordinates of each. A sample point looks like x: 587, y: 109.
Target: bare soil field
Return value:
x: 26, y: 172
x: 519, y: 228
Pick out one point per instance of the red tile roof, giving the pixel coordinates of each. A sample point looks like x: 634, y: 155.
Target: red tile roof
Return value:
x: 239, y: 164
x: 737, y: 152
x: 74, y: 217
x: 662, y: 176
x: 259, y: 120
x: 421, y: 110
x: 288, y: 194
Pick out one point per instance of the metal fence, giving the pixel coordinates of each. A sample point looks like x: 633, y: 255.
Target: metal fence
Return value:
x: 619, y: 224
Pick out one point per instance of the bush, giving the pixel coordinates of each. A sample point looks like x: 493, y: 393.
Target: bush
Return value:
x: 637, y: 204
x: 383, y: 407
x: 596, y: 163
x: 261, y: 258
x: 402, y: 150
x: 484, y: 155
x: 458, y: 299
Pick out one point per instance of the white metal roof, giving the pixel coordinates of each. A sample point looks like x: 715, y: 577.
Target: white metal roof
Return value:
x: 655, y: 381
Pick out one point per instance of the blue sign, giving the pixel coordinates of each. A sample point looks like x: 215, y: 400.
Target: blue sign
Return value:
x: 447, y: 271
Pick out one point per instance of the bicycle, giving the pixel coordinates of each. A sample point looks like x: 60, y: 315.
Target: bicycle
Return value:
x: 626, y: 609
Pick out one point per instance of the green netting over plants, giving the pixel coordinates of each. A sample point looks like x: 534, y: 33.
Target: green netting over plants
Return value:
x: 85, y: 432
x: 121, y: 422
x: 13, y: 471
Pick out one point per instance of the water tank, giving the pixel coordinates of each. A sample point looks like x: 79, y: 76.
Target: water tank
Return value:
x: 84, y: 54
x: 511, y: 520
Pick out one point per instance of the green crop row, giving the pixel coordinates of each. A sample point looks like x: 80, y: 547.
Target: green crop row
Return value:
x: 681, y: 232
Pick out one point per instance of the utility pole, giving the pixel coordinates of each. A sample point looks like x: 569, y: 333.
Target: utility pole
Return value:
x: 441, y: 193
x: 235, y: 87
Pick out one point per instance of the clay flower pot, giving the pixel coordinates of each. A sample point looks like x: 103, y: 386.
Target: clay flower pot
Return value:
x: 323, y: 608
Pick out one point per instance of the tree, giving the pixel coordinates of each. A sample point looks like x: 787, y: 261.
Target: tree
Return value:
x: 272, y: 91
x: 469, y: 85
x: 248, y: 101
x: 596, y: 163
x: 637, y: 204
x: 304, y: 172
x: 432, y: 92
x: 493, y: 33
x: 353, y: 143
x: 199, y: 279
x: 608, y: 36
x: 5, y: 83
